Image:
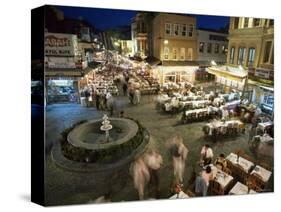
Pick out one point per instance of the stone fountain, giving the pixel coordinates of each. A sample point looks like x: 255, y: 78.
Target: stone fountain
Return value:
x: 106, y: 126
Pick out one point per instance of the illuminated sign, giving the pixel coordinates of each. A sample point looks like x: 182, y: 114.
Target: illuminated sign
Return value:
x: 57, y: 44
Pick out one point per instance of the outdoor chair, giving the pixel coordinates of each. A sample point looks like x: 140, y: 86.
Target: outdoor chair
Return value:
x: 256, y: 182
x: 188, y: 118
x: 193, y: 116
x: 215, y: 188
x: 236, y: 128
x: 239, y: 173
x: 200, y: 116
x: 222, y: 130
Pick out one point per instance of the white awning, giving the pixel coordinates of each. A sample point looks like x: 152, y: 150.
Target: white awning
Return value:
x: 228, y: 71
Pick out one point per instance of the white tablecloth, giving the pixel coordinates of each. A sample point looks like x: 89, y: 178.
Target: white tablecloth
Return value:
x: 221, y: 177
x: 262, y: 172
x: 216, y: 124
x: 264, y: 125
x: 196, y: 111
x: 266, y: 138
x: 240, y: 188
x: 182, y: 195
x: 246, y: 165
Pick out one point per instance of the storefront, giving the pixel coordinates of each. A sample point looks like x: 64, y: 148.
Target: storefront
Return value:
x: 65, y: 65
x: 267, y: 100
x: 62, y: 90
x: 229, y: 77
x: 176, y: 74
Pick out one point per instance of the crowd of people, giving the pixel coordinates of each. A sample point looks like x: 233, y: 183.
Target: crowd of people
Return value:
x: 145, y: 170
x: 101, y: 100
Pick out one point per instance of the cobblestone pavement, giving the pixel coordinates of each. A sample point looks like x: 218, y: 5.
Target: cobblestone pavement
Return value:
x: 64, y: 187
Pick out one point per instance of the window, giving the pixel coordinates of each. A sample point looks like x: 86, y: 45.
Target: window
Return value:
x: 272, y: 56
x: 182, y: 54
x: 168, y: 28
x: 183, y: 29
x: 217, y: 47
x: 190, y: 31
x: 267, y: 51
x: 166, y: 53
x: 241, y: 55
x: 256, y: 22
x: 251, y: 56
x: 176, y: 29
x: 236, y: 23
x: 175, y: 54
x: 201, y: 47
x: 271, y: 22
x: 189, y: 53
x: 231, y: 59
x: 209, y: 48
x: 246, y: 22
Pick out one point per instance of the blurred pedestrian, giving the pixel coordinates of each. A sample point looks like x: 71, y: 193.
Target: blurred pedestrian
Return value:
x: 97, y: 97
x: 137, y: 96
x: 141, y: 176
x: 179, y: 153
x: 125, y: 88
x: 203, y: 180
x: 153, y: 160
x: 110, y: 103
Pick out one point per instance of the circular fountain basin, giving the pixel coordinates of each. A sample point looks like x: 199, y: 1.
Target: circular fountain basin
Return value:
x: 89, y: 135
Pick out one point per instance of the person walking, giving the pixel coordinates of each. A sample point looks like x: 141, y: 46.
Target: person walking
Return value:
x: 179, y: 154
x: 110, y: 103
x: 141, y: 176
x: 137, y: 96
x: 153, y: 161
x: 97, y: 99
x: 125, y: 88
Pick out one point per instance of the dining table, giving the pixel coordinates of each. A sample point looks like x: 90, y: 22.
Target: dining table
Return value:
x: 221, y: 177
x: 239, y: 189
x: 244, y: 163
x: 262, y: 172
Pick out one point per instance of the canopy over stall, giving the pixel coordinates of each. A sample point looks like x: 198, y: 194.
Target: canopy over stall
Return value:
x: 233, y: 77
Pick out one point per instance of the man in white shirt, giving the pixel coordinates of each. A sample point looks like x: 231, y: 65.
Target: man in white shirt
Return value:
x: 206, y: 155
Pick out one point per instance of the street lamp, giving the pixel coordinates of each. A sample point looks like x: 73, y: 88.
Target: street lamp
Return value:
x: 166, y: 42
x: 116, y: 43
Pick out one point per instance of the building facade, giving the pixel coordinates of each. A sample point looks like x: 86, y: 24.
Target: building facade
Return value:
x: 212, y: 46
x: 174, y: 37
x: 251, y: 45
x: 139, y: 27
x: 126, y: 47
